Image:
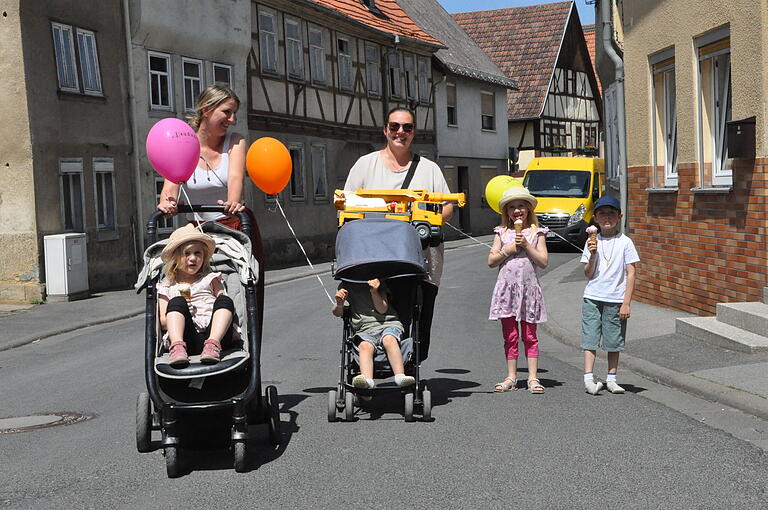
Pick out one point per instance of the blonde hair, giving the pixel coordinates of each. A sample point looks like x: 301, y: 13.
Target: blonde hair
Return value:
x: 170, y: 267
x: 531, y: 217
x: 210, y: 99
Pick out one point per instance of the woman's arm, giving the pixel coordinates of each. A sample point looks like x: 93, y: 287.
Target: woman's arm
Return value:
x: 236, y: 176
x: 168, y: 196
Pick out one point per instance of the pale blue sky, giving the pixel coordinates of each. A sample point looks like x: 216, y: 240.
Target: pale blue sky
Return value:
x: 586, y: 12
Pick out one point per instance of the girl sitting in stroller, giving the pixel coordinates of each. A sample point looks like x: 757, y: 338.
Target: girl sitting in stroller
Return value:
x: 376, y: 327
x: 192, y: 301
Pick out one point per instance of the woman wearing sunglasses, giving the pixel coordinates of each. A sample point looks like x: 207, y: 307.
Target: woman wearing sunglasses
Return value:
x: 389, y: 168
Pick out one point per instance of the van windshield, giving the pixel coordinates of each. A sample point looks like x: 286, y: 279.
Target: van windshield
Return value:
x: 558, y: 183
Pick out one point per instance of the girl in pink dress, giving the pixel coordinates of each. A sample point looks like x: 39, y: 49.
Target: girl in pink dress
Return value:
x: 519, y: 247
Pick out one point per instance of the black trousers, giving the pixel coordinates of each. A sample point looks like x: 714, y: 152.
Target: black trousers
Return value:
x: 194, y: 338
x: 428, y: 296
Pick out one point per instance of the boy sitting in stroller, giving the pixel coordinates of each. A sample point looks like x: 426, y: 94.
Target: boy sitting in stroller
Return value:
x: 376, y: 327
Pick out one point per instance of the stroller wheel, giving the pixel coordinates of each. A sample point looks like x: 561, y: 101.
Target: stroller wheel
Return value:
x: 349, y: 407
x: 143, y: 423
x: 241, y: 456
x: 426, y: 399
x: 172, y: 461
x: 274, y: 415
x: 409, y: 406
x: 332, y: 406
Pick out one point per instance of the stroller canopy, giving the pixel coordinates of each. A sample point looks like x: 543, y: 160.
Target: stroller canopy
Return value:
x: 378, y: 248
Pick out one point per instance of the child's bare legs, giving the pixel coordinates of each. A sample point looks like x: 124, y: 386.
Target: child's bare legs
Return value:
x: 589, y: 361
x: 592, y: 386
x: 613, y: 362
x: 365, y: 353
x: 395, y: 357
x: 220, y: 323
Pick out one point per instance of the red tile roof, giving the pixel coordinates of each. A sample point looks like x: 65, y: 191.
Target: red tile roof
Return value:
x: 589, y: 36
x: 524, y: 42
x: 393, y: 21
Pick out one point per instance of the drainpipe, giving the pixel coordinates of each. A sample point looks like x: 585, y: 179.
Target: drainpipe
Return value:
x: 618, y: 64
x: 139, y: 239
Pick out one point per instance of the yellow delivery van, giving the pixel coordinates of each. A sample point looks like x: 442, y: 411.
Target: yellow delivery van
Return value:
x: 567, y: 189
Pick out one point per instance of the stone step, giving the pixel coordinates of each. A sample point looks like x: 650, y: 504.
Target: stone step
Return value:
x: 752, y: 316
x: 765, y: 295
x: 712, y: 331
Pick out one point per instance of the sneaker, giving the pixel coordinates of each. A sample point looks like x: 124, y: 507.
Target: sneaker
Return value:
x: 404, y: 381
x: 614, y: 388
x: 359, y: 381
x: 211, y: 352
x: 178, y: 355
x: 593, y: 388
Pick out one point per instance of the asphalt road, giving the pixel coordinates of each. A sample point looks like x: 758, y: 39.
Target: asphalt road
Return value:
x: 563, y: 449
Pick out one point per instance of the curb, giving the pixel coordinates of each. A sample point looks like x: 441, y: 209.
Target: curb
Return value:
x: 703, y: 388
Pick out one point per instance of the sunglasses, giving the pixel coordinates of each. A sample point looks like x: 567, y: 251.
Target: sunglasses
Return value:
x: 394, y: 127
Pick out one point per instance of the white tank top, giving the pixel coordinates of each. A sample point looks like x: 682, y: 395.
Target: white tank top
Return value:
x: 207, y: 187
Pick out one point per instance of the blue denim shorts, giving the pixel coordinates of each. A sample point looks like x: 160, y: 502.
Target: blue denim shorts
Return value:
x: 375, y: 337
x: 601, y: 326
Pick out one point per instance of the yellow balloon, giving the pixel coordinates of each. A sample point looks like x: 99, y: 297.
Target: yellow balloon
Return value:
x: 496, y: 188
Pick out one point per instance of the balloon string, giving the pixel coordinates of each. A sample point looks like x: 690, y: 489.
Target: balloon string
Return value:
x: 277, y: 200
x: 197, y: 218
x: 580, y: 248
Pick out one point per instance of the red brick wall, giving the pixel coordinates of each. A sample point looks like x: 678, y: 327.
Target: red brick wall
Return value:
x: 699, y: 249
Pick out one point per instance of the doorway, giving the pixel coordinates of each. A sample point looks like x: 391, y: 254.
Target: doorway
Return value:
x: 464, y: 223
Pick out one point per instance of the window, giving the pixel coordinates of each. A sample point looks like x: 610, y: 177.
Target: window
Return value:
x: 165, y: 225
x: 317, y: 56
x: 373, y: 69
x: 268, y: 40
x: 160, y: 97
x: 222, y: 74
x: 294, y: 49
x: 319, y: 171
x: 714, y: 93
x: 488, y: 106
x: 450, y: 93
x: 71, y: 187
x: 393, y: 61
x: 193, y: 81
x: 411, y: 87
x: 663, y: 120
x: 297, y: 175
x: 89, y: 62
x: 424, y: 92
x: 66, y: 66
x: 345, y: 64
x: 104, y: 185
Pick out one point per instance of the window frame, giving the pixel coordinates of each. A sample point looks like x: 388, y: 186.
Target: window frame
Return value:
x: 452, y: 85
x: 483, y: 115
x: 373, y: 70
x: 411, y: 76
x: 190, y: 80
x: 324, y: 149
x: 296, y: 73
x: 318, y: 56
x: 348, y: 64
x: 105, y: 166
x: 95, y: 68
x: 297, y: 171
x: 229, y: 69
x: 662, y: 66
x: 394, y: 79
x: 168, y: 73
x: 67, y: 167
x: 268, y: 36
x: 60, y: 59
x: 425, y: 91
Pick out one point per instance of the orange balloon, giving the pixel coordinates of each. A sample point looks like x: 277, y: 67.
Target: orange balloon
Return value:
x: 269, y: 165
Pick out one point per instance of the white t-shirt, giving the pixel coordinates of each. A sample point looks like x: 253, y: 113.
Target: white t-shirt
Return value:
x: 369, y: 172
x: 207, y: 187
x: 609, y: 281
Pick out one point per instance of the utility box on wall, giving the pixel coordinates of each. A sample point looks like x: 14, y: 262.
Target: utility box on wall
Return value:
x: 66, y: 266
x: 741, y: 138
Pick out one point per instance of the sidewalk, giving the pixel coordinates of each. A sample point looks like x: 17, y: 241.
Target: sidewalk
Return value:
x: 654, y: 351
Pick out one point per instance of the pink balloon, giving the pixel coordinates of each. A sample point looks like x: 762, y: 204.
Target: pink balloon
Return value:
x: 173, y: 149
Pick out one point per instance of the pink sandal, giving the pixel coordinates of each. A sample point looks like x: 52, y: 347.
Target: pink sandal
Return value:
x: 211, y: 351
x: 178, y: 354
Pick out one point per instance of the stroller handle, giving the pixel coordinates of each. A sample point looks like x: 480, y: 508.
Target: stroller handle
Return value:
x: 245, y: 221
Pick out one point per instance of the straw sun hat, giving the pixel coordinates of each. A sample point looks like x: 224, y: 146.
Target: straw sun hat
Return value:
x: 517, y: 193
x: 186, y: 234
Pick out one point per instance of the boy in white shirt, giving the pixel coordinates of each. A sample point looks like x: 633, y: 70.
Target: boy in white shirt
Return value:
x: 609, y: 263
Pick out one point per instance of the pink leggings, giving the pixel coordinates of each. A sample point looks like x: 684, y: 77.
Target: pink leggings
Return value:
x: 511, y: 337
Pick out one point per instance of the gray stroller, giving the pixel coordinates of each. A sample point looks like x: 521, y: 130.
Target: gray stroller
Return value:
x: 391, y: 251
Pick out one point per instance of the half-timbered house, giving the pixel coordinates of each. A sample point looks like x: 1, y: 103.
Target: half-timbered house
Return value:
x: 322, y: 75
x: 557, y: 107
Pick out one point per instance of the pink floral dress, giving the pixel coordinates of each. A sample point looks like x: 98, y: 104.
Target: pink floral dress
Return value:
x: 517, y: 292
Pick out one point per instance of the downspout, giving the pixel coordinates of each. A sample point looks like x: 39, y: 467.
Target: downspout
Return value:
x: 618, y: 64
x: 139, y: 239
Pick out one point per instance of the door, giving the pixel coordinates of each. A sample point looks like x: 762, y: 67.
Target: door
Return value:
x: 464, y: 223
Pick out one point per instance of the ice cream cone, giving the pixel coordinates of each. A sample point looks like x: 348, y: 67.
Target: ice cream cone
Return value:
x: 518, y: 226
x: 592, y: 231
x: 185, y: 291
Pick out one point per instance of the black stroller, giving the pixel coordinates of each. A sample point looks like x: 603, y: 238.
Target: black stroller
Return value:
x: 389, y: 250
x: 224, y: 398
